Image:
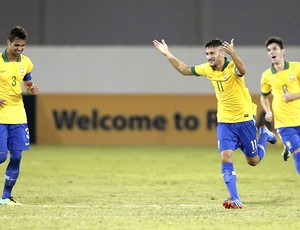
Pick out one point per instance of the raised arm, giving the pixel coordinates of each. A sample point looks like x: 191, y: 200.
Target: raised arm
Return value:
x: 229, y: 49
x: 179, y: 65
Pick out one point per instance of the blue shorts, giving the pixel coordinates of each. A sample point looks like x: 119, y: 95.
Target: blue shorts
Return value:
x: 290, y: 136
x: 232, y: 136
x: 14, y: 137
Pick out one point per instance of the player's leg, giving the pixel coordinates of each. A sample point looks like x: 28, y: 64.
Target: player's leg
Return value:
x: 3, y: 150
x: 253, y: 149
x: 12, y: 172
x: 3, y: 143
x: 290, y: 136
x: 229, y: 177
x: 18, y: 141
x: 296, y: 156
x: 227, y: 142
x: 271, y: 137
x: 285, y: 152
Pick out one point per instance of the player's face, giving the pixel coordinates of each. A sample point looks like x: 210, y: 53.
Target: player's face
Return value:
x: 214, y: 56
x: 275, y: 53
x: 16, y: 46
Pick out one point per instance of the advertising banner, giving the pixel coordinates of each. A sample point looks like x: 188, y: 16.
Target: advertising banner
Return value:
x: 126, y: 119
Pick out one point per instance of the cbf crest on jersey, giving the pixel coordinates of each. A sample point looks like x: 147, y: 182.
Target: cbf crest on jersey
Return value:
x: 22, y: 71
x: 292, y: 77
x: 224, y: 76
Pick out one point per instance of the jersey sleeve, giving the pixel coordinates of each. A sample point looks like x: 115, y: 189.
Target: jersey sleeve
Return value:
x: 199, y: 70
x: 265, y: 87
x: 29, y: 67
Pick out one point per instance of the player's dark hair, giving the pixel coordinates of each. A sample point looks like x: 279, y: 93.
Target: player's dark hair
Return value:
x: 17, y: 32
x: 214, y: 43
x: 276, y: 40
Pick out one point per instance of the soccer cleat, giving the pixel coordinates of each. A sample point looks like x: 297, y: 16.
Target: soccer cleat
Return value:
x: 271, y: 136
x: 10, y: 201
x: 232, y: 203
x: 285, y: 154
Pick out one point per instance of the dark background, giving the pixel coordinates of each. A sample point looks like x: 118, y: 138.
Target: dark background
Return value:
x: 138, y: 22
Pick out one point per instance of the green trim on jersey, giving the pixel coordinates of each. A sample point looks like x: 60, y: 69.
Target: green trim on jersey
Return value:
x: 286, y: 66
x: 265, y: 94
x: 5, y: 58
x: 194, y: 71
x: 227, y: 61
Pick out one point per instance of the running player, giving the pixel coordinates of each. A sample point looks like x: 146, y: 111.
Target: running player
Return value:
x: 235, y: 111
x: 283, y: 81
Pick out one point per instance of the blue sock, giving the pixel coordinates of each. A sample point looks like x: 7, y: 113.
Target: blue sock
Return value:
x: 262, y: 143
x: 12, y: 172
x: 229, y: 177
x: 297, y: 161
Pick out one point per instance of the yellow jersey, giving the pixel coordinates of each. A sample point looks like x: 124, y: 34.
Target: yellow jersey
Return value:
x: 234, y: 100
x: 286, y: 114
x: 12, y: 75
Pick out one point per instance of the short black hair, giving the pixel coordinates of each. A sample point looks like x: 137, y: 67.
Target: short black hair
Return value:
x: 214, y: 43
x: 276, y: 40
x: 17, y: 32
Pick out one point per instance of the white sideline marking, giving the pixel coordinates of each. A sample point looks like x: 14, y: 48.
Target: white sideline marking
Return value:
x: 121, y: 206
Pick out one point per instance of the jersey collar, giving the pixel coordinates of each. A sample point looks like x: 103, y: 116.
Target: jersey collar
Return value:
x: 286, y: 66
x: 5, y: 58
x: 226, y: 63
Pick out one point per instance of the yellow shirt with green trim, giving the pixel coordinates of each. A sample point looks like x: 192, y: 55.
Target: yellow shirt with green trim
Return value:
x: 286, y: 114
x: 234, y: 100
x: 12, y: 111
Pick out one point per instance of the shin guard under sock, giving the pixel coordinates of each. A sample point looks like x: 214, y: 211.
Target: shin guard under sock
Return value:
x: 229, y: 177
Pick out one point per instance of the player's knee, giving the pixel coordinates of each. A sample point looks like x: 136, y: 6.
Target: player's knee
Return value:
x: 3, y: 156
x: 253, y: 161
x: 15, y: 155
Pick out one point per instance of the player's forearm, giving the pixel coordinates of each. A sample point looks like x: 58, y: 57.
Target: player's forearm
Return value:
x: 265, y: 104
x: 179, y: 65
x: 238, y: 63
x: 296, y: 96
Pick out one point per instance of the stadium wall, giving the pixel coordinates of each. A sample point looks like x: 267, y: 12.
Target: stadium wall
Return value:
x: 132, y: 69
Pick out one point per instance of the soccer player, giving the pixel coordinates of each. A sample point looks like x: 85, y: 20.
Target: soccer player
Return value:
x: 15, y: 68
x: 235, y: 110
x: 283, y: 81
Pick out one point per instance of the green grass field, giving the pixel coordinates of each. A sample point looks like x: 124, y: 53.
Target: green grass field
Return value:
x: 149, y: 187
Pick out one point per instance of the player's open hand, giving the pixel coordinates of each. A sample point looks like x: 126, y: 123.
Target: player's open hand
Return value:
x: 228, y: 47
x: 161, y: 46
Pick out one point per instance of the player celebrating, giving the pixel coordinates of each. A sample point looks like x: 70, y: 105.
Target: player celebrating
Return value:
x: 15, y: 68
x: 283, y: 80
x: 236, y: 125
